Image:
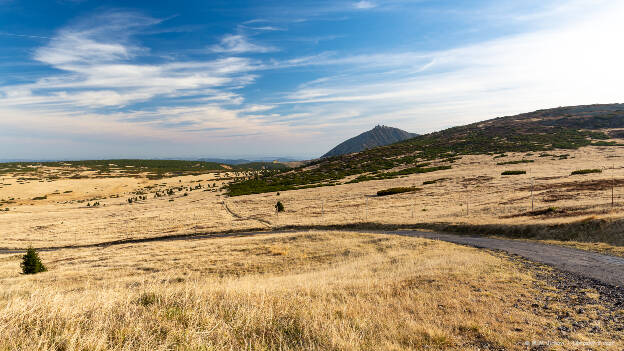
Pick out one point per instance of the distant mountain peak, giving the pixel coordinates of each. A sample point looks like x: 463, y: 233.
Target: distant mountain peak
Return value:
x: 380, y: 135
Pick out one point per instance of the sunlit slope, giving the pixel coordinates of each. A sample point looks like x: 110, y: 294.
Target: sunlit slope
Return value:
x: 542, y: 130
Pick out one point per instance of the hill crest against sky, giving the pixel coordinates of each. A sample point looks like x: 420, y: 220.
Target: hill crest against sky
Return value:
x: 539, y: 131
x: 378, y: 136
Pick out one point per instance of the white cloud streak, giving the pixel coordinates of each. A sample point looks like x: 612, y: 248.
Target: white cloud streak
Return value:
x: 239, y: 44
x: 574, y: 64
x: 98, y: 71
x: 364, y: 5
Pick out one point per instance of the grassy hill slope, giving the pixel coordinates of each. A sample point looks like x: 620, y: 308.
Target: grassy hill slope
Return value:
x: 539, y: 131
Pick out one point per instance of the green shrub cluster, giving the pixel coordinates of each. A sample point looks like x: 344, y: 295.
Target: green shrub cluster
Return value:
x: 279, y: 206
x: 397, y: 190
x: 513, y: 172
x: 586, y: 171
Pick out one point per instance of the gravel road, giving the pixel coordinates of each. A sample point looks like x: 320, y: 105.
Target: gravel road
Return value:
x: 604, y: 268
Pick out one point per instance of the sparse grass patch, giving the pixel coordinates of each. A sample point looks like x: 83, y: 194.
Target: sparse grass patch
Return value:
x: 433, y: 181
x: 514, y: 162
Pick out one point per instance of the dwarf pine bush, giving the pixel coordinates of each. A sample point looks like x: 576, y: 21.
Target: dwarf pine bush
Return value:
x: 279, y: 206
x: 31, y: 263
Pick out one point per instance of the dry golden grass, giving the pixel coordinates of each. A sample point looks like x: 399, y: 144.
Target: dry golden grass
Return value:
x: 587, y: 246
x: 310, y: 290
x: 475, y: 180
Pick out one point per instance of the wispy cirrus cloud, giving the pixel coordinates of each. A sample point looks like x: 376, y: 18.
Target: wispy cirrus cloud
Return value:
x: 102, y: 73
x: 570, y: 64
x: 364, y: 5
x: 98, y: 66
x: 239, y: 44
x: 105, y: 81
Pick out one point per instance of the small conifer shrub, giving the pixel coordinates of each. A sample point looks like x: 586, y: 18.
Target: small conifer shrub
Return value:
x: 279, y: 206
x: 31, y: 263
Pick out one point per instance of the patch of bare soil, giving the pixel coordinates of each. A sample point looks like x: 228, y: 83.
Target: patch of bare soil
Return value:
x: 475, y: 180
x: 555, y: 195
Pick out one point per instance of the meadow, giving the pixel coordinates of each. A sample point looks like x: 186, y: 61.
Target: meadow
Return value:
x: 316, y: 286
x: 307, y: 290
x: 472, y: 194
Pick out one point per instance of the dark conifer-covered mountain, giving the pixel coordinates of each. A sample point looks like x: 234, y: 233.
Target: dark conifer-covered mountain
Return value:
x: 378, y: 136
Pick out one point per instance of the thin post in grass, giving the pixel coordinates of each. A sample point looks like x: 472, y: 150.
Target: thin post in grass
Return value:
x: 612, y: 186
x: 461, y: 205
x: 532, y: 200
x: 532, y: 183
x: 366, y: 210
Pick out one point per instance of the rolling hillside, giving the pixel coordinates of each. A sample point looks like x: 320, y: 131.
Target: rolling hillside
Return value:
x: 378, y: 136
x: 539, y: 131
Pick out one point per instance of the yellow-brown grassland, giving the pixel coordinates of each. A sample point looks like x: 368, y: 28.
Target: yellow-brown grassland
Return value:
x: 314, y: 287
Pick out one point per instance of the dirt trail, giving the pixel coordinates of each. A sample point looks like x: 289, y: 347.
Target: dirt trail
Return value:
x: 604, y: 268
x: 237, y: 216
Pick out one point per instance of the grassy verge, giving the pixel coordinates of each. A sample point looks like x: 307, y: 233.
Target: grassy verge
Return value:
x: 597, y: 235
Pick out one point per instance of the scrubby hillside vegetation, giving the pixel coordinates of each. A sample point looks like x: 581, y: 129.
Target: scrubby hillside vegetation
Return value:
x: 539, y: 131
x: 153, y: 169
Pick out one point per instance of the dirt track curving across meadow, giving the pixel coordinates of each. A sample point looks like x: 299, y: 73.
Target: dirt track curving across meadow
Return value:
x: 603, y: 268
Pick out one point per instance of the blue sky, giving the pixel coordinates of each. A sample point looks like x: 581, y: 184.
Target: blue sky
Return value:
x: 104, y: 79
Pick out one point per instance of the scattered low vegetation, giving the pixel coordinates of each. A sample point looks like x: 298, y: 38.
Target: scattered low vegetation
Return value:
x: 151, y: 169
x: 586, y: 171
x: 433, y: 181
x: 397, y: 190
x: 513, y: 172
x: 514, y: 162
